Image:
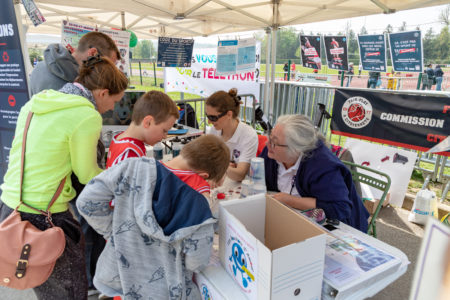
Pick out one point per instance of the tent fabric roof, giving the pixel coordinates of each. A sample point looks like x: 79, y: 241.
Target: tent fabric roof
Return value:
x: 190, y: 18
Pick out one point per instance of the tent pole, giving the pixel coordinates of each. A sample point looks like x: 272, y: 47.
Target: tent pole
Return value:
x: 274, y: 58
x: 122, y: 14
x: 266, y: 83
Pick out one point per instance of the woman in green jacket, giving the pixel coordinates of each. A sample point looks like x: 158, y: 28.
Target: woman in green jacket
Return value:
x: 62, y: 139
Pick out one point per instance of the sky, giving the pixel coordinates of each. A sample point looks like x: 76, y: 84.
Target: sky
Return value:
x: 423, y: 17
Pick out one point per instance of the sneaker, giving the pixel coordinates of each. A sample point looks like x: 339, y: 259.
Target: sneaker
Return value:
x: 93, y: 291
x: 104, y: 297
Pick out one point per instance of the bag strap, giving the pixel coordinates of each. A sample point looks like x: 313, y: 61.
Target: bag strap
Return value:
x: 22, y: 165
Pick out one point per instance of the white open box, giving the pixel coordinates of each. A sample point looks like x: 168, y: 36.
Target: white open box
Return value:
x: 270, y: 251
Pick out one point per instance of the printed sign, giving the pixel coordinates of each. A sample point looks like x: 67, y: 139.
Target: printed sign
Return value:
x: 33, y: 12
x: 406, y: 51
x: 410, y: 121
x: 236, y: 56
x: 336, y: 51
x: 242, y: 261
x: 71, y: 34
x: 173, y: 52
x: 310, y: 49
x: 13, y: 81
x: 202, y: 78
x: 372, y: 50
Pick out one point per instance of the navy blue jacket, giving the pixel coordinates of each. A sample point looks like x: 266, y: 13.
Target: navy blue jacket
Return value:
x: 323, y: 176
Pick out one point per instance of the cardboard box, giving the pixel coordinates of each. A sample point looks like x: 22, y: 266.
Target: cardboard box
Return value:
x: 270, y: 251
x: 371, y: 205
x: 215, y: 283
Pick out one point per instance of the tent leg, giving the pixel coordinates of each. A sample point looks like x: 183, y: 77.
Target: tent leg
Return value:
x: 266, y: 83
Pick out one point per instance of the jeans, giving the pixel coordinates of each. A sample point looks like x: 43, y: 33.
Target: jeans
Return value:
x: 438, y: 83
x: 349, y: 79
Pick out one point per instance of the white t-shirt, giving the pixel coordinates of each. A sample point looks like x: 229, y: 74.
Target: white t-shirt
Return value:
x: 286, y: 178
x: 243, y: 144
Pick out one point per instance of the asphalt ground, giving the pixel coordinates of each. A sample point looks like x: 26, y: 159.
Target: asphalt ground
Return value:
x: 393, y: 228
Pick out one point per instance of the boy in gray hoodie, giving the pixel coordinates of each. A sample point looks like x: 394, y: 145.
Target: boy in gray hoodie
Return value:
x: 159, y: 232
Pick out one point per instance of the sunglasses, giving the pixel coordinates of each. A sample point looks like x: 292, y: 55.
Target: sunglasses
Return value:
x: 92, y: 60
x: 213, y: 118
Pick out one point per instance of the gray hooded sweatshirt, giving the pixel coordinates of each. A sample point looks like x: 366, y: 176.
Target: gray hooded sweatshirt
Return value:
x: 58, y: 68
x: 159, y: 232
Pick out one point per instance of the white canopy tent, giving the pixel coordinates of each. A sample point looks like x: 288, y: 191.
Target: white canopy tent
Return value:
x: 191, y: 18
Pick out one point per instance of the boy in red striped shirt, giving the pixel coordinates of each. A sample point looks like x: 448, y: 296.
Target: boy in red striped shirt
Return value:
x: 153, y: 115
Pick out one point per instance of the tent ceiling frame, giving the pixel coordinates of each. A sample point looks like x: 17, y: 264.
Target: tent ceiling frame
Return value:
x: 219, y: 10
x: 236, y: 9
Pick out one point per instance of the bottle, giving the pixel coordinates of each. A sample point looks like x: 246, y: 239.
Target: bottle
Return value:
x: 176, y: 147
x: 158, y: 151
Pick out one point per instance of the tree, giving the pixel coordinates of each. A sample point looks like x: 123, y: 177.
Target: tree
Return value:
x: 389, y: 28
x: 287, y: 44
x: 444, y: 16
x: 363, y: 30
x: 443, y: 44
x: 403, y: 27
x: 429, y: 49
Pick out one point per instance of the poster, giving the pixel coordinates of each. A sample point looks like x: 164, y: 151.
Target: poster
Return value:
x: 173, y: 52
x: 310, y: 51
x: 336, y: 51
x: 202, y: 79
x: 397, y: 163
x: 372, y: 51
x: 227, y: 57
x: 406, y: 51
x: 71, y: 34
x: 33, y: 12
x: 13, y: 81
x: 411, y: 121
x: 236, y: 56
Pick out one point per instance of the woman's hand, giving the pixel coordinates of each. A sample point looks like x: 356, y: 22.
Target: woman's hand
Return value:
x: 297, y: 202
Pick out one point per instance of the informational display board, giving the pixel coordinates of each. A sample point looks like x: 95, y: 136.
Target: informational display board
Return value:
x: 33, y: 12
x: 13, y: 81
x: 336, y: 51
x: 411, y: 121
x: 236, y: 56
x: 372, y: 51
x: 71, y: 34
x: 310, y: 51
x: 202, y: 78
x: 173, y: 52
x: 407, y: 51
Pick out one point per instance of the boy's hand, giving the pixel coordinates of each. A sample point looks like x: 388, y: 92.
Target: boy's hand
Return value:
x: 233, y: 164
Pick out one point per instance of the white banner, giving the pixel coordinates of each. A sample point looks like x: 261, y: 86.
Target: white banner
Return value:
x: 72, y: 32
x: 201, y: 78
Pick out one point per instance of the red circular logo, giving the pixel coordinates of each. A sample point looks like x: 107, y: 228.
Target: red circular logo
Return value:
x: 356, y: 112
x: 11, y: 100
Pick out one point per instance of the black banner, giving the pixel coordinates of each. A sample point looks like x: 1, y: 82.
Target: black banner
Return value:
x: 310, y: 48
x: 13, y: 84
x: 411, y: 121
x: 173, y: 52
x: 336, y: 50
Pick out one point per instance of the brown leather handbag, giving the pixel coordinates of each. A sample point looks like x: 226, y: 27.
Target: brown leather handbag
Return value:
x: 28, y: 254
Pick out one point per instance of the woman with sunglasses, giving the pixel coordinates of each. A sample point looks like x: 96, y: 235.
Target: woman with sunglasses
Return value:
x: 299, y: 165
x: 62, y: 139
x: 222, y: 110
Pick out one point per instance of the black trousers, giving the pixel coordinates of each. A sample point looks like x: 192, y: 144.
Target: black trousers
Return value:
x: 68, y: 280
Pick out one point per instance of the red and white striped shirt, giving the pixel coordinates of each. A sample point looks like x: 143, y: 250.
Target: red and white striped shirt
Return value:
x: 192, y: 179
x: 124, y: 148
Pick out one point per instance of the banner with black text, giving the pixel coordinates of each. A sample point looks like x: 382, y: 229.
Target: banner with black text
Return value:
x: 411, y: 121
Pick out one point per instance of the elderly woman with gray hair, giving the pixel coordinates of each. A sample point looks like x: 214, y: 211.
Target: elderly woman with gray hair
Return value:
x: 300, y: 166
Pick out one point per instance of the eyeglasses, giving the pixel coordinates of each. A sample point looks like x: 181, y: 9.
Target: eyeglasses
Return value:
x: 273, y: 145
x: 213, y: 118
x: 92, y: 60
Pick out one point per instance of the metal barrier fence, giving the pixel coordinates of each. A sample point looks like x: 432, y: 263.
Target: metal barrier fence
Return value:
x: 403, y: 82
